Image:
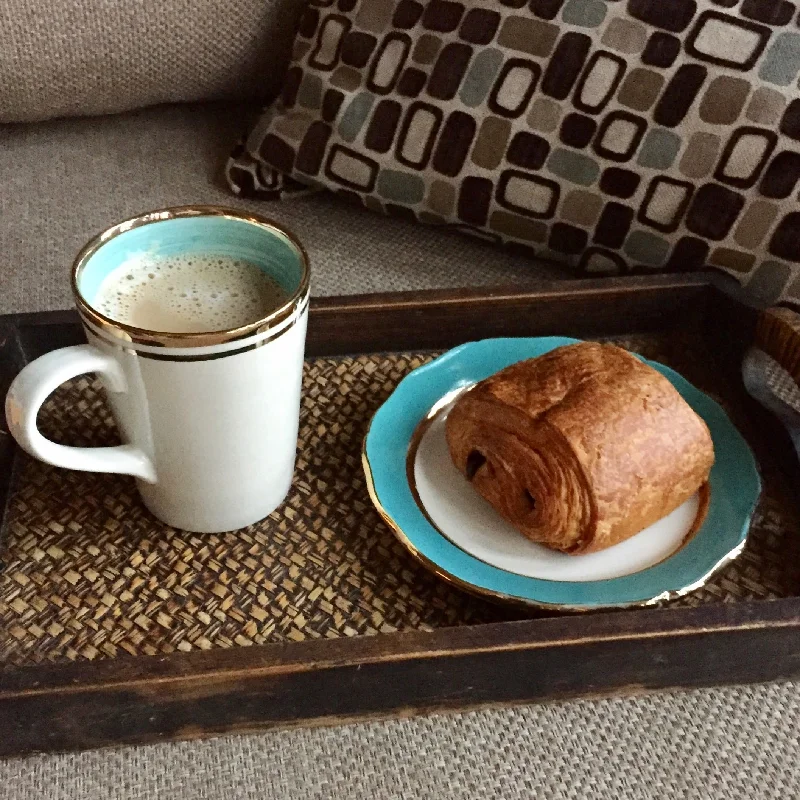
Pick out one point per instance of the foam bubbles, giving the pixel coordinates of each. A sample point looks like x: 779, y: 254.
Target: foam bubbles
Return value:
x: 188, y: 294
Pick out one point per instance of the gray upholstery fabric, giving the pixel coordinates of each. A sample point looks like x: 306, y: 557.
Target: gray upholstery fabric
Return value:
x: 76, y: 57
x: 64, y: 181
x: 705, y: 745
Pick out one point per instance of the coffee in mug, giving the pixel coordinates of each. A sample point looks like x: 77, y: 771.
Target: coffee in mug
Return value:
x: 188, y: 293
x: 196, y: 322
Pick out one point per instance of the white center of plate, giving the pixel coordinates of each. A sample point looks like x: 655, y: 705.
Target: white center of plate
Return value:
x: 468, y: 521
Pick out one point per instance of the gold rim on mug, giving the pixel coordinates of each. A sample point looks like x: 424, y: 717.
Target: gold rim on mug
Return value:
x: 134, y: 335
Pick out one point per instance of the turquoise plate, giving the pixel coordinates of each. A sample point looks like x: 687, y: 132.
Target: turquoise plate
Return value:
x: 393, y: 443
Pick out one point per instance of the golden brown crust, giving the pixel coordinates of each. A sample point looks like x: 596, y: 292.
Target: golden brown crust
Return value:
x: 580, y: 448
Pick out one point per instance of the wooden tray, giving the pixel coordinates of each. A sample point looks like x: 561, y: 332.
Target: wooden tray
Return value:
x: 115, y: 629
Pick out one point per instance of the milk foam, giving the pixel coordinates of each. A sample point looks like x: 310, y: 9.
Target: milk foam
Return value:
x: 188, y: 293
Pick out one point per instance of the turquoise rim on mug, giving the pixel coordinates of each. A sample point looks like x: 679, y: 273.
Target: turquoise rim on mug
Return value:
x: 193, y: 229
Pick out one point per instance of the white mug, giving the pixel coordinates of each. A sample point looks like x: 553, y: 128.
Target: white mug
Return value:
x: 209, y: 420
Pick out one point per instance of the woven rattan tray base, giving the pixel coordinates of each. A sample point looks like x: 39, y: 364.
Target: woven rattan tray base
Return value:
x: 89, y: 574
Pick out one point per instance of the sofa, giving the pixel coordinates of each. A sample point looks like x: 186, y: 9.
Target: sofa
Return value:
x: 109, y: 112
x: 111, y: 108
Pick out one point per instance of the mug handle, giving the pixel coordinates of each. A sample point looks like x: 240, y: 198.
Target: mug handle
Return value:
x: 38, y: 380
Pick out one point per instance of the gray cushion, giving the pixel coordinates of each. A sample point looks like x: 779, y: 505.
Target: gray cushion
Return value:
x: 76, y: 57
x: 66, y: 180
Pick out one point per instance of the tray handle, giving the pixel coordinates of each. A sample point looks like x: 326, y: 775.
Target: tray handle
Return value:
x: 778, y: 335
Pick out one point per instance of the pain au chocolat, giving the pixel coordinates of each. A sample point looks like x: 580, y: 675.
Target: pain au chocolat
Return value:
x: 580, y: 448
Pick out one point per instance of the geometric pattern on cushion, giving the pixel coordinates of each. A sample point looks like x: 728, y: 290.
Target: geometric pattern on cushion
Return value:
x: 613, y: 136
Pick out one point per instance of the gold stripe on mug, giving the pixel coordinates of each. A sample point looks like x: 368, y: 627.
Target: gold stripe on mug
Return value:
x: 155, y: 356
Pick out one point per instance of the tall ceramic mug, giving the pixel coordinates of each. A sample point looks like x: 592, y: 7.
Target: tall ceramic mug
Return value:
x: 209, y: 420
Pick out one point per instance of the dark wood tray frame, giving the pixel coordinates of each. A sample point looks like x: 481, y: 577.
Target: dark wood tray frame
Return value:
x: 129, y: 700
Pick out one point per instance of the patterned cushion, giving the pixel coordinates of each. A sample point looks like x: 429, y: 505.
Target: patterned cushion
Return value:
x: 644, y: 134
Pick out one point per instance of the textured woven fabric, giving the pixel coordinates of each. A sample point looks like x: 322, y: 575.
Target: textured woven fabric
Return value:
x: 61, y: 182
x: 64, y: 181
x: 781, y: 383
x: 704, y: 745
x: 76, y: 57
x: 643, y: 135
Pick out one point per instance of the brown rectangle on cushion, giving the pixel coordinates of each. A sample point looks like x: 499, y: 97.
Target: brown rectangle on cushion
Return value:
x: 382, y: 126
x: 455, y: 141
x: 312, y: 149
x: 449, y: 70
